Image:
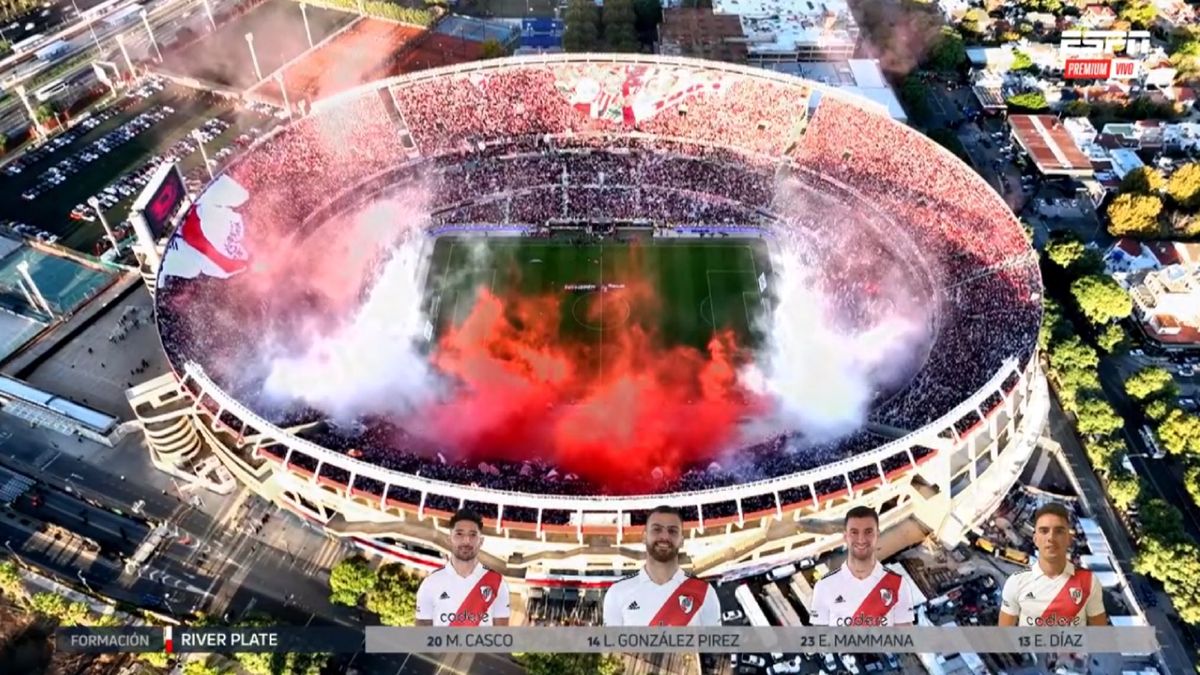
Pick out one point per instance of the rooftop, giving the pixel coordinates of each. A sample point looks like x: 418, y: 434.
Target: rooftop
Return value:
x: 784, y: 26
x: 1050, y: 145
x: 701, y: 33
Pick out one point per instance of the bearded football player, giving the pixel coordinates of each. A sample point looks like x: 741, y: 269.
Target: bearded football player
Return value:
x: 464, y: 592
x: 662, y: 594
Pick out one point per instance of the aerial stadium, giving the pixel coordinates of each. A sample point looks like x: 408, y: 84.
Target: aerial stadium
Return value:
x: 566, y: 289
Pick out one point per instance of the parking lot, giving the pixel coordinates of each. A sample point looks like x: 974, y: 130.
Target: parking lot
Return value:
x: 110, y: 156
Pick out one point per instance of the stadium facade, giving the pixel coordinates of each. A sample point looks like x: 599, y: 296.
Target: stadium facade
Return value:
x: 943, y: 476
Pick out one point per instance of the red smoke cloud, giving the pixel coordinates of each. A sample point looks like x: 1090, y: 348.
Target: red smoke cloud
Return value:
x: 610, y: 409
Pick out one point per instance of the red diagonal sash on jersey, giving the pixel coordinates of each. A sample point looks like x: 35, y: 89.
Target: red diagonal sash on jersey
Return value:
x: 478, y: 601
x: 879, y: 601
x: 1066, y: 606
x: 681, y: 605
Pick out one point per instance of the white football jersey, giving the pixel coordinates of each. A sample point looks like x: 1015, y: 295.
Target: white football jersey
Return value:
x: 683, y: 601
x: 445, y: 598
x: 1064, y: 600
x: 882, y: 599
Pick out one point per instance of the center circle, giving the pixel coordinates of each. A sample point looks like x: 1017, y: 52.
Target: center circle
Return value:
x: 600, y: 310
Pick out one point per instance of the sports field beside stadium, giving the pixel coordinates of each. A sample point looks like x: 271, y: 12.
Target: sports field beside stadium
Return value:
x: 696, y: 285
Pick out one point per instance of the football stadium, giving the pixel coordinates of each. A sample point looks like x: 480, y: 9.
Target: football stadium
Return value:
x: 562, y: 290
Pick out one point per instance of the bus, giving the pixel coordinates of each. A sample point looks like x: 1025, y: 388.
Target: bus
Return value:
x: 780, y: 607
x: 50, y: 91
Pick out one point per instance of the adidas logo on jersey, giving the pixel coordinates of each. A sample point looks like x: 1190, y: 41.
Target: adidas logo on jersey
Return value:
x: 633, y: 606
x: 444, y: 596
x: 838, y: 599
x: 1030, y: 596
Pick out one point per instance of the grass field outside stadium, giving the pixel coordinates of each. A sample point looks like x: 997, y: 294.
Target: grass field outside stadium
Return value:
x: 701, y: 285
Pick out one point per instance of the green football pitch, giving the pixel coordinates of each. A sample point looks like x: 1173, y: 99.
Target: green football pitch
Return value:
x: 700, y: 285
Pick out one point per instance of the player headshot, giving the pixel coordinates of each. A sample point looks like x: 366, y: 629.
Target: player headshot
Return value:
x: 1053, y: 592
x: 862, y: 592
x: 464, y: 592
x: 662, y: 594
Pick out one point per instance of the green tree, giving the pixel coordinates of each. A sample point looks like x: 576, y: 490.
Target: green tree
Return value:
x: 268, y: 663
x: 1097, y: 418
x: 1103, y: 452
x: 1143, y: 180
x: 1124, y: 488
x: 48, y: 604
x: 974, y: 20
x: 394, y: 597
x: 555, y: 664
x: 5, y: 48
x: 1151, y: 382
x: 1184, y: 185
x: 1101, y: 298
x: 618, y: 20
x: 491, y: 49
x: 350, y: 579
x: 1074, y: 384
x: 582, y: 31
x: 1191, y: 481
x: 1132, y: 215
x: 1112, y: 339
x: 648, y: 15
x: 949, y: 140
x: 1077, y: 108
x: 1030, y: 100
x: 1158, y: 409
x: 947, y: 52
x: 203, y: 667
x: 11, y: 583
x: 915, y: 94
x: 1140, y: 13
x: 1021, y: 61
x: 155, y: 659
x: 1054, y: 325
x: 1066, y: 252
x: 1179, y: 433
x: 45, y: 113
x: 1073, y: 354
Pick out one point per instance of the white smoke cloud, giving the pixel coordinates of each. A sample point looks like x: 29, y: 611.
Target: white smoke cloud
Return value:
x: 371, y: 362
x: 823, y: 372
x: 821, y: 377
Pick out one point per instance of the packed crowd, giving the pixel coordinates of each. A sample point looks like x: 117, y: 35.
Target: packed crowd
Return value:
x: 975, y: 258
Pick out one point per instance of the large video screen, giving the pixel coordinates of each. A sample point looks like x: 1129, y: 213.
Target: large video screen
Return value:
x: 165, y: 203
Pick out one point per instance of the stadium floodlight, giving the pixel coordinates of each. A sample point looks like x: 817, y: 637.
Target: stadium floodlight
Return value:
x: 307, y: 30
x: 24, y: 96
x: 91, y: 27
x: 112, y: 237
x: 283, y: 89
x: 254, y: 57
x: 150, y: 31
x: 23, y: 269
x: 208, y: 10
x: 125, y: 53
x: 203, y: 152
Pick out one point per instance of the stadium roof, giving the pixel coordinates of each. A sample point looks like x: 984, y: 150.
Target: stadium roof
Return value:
x: 1050, y: 145
x: 860, y: 77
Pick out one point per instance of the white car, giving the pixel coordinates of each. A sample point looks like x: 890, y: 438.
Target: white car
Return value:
x: 732, y: 615
x: 792, y: 666
x: 754, y: 660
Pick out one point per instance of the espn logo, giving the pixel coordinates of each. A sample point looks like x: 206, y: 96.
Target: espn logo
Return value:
x: 1100, y: 69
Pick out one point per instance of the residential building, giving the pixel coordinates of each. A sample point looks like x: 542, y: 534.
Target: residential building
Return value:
x: 1098, y: 17
x: 1163, y: 280
x: 702, y: 34
x: 1049, y: 145
x: 794, y: 30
